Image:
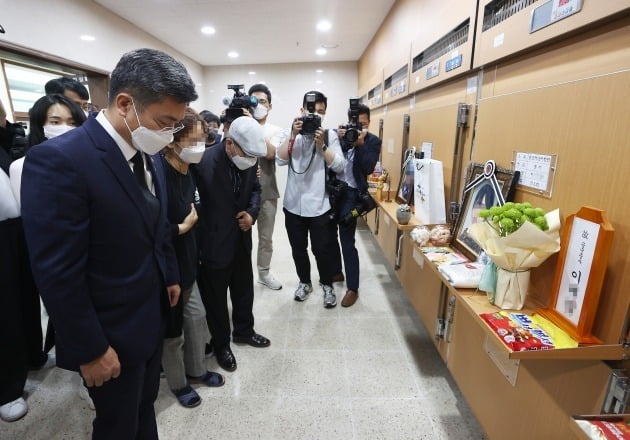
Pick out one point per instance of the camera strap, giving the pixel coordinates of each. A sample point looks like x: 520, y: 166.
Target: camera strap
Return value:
x: 310, y: 162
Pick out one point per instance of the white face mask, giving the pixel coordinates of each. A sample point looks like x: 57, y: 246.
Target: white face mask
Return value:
x: 86, y: 113
x: 146, y: 140
x: 243, y: 163
x: 193, y: 154
x: 260, y: 112
x: 52, y: 131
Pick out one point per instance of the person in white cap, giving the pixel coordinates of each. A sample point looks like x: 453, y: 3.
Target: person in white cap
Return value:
x: 230, y: 201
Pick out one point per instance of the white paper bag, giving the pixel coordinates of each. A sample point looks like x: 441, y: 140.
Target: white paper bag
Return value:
x: 429, y: 191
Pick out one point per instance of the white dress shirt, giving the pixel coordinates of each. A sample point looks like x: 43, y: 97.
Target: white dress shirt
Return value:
x: 127, y: 150
x: 305, y: 194
x: 347, y: 175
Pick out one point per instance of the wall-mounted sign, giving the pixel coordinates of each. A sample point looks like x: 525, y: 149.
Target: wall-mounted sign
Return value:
x: 552, y: 11
x: 537, y: 172
x: 433, y: 69
x: 453, y: 63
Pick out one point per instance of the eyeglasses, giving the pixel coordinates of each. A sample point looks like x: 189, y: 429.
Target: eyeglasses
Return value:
x: 172, y: 130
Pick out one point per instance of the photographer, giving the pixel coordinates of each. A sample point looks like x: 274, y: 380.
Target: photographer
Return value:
x: 306, y: 205
x: 361, y: 157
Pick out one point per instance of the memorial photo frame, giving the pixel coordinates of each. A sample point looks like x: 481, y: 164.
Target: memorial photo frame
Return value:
x: 585, y: 246
x: 480, y: 196
x: 404, y: 193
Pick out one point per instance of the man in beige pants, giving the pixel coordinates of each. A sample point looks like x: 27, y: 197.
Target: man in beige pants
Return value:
x: 266, y: 218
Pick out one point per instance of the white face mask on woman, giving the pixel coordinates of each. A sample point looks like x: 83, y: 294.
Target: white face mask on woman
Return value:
x: 193, y: 154
x: 52, y: 131
x: 147, y: 140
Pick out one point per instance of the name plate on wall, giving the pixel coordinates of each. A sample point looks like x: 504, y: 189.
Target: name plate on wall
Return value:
x: 537, y: 172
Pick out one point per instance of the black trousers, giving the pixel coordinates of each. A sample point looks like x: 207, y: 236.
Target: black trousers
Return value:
x: 239, y: 278
x: 346, y: 236
x: 12, y: 337
x: 298, y: 229
x: 124, y: 406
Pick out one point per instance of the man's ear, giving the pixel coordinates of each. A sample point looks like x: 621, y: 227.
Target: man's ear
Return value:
x: 124, y: 103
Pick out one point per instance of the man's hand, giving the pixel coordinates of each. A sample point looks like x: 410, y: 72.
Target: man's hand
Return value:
x: 341, y: 131
x: 189, y: 221
x: 173, y: 294
x: 361, y: 139
x: 101, y: 369
x: 297, y: 126
x: 319, y: 138
x: 245, y: 221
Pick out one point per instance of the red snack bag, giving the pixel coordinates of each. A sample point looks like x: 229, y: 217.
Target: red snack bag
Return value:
x: 514, y: 335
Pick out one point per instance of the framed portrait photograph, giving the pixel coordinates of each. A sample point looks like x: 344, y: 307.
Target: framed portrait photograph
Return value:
x: 481, y: 196
x: 405, y: 186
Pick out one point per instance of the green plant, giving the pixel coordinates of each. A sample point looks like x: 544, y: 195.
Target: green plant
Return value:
x: 511, y: 216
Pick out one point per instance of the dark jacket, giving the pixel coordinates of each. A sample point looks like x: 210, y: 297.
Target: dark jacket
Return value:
x: 365, y: 158
x: 220, y: 234
x: 101, y: 265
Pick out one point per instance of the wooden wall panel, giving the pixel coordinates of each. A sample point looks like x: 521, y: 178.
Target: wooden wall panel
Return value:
x: 546, y: 392
x: 584, y: 121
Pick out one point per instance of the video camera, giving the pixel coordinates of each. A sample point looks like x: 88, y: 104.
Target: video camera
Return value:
x: 312, y: 121
x: 238, y: 102
x: 353, y: 128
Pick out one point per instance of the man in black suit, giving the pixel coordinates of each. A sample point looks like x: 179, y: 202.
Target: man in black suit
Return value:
x: 94, y: 212
x: 361, y: 157
x: 230, y: 202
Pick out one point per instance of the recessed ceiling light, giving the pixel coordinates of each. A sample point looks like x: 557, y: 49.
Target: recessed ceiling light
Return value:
x: 87, y: 38
x: 324, y: 26
x: 319, y: 71
x: 233, y: 54
x: 251, y: 73
x: 319, y: 81
x: 321, y: 51
x: 208, y: 30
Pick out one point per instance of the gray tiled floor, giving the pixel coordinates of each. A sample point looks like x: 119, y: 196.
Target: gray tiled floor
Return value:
x: 366, y: 372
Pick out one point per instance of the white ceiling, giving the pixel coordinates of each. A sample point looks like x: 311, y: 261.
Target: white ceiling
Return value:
x: 261, y: 31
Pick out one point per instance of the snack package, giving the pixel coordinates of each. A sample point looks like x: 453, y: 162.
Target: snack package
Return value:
x: 520, y: 333
x: 440, y: 235
x: 605, y: 429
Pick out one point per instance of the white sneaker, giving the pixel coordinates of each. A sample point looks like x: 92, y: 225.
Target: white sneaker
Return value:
x: 267, y: 279
x: 85, y: 395
x: 12, y: 411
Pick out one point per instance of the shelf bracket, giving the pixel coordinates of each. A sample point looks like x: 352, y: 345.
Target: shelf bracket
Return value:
x: 508, y: 367
x: 617, y: 393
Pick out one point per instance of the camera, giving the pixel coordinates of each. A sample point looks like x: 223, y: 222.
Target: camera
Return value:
x: 238, y: 102
x: 353, y: 129
x: 365, y: 203
x: 312, y: 121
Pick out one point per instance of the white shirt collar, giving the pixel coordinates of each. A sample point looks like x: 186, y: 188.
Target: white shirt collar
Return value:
x: 127, y: 150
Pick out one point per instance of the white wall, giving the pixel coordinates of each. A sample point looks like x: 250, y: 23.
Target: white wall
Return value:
x: 288, y: 83
x: 54, y: 27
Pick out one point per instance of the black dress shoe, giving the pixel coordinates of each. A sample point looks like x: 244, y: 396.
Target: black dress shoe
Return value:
x: 226, y: 359
x: 255, y: 340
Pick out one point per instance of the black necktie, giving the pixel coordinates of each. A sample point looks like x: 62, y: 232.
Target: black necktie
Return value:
x: 138, y: 170
x: 236, y: 179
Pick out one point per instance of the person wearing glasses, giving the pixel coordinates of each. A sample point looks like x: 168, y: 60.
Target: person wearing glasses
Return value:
x: 72, y: 89
x: 94, y: 213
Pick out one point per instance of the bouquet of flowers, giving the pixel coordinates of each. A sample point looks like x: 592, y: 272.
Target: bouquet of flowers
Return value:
x: 516, y: 237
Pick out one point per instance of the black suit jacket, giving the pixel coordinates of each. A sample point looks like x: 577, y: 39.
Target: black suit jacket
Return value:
x: 365, y: 158
x: 100, y: 264
x: 220, y: 234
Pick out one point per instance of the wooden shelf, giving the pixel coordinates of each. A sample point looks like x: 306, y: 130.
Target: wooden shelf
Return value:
x: 389, y: 208
x: 476, y: 303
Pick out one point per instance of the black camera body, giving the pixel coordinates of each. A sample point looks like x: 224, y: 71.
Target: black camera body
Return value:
x: 365, y: 203
x: 312, y: 121
x: 353, y: 128
x: 239, y: 102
